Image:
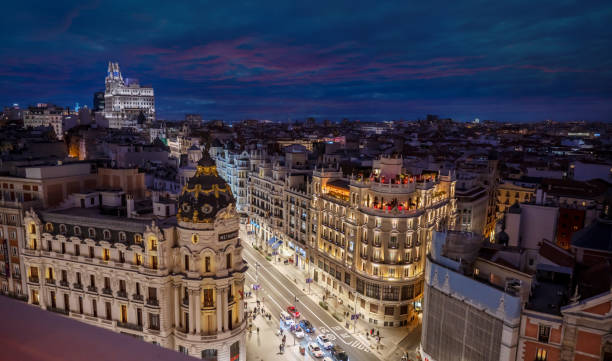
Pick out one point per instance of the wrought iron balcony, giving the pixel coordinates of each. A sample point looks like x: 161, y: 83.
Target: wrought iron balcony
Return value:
x: 137, y: 297
x: 122, y: 294
x: 107, y: 291
x: 129, y: 326
x: 33, y: 279
x: 77, y: 286
x: 50, y: 281
x: 153, y: 302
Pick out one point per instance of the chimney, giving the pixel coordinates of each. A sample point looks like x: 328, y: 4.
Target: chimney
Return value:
x: 130, y: 205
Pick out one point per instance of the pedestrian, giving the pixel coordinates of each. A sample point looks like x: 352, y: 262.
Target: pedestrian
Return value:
x: 367, y: 334
x: 258, y: 330
x: 280, y: 348
x: 371, y: 331
x: 378, y: 333
x: 284, y: 338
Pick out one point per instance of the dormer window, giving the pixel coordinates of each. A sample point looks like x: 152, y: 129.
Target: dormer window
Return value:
x: 77, y: 231
x: 137, y: 238
x: 92, y: 233
x: 49, y: 227
x: 122, y: 237
x: 62, y: 228
x: 106, y: 234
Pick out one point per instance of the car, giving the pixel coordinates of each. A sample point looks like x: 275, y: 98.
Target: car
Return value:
x: 338, y: 354
x: 286, y: 318
x: 315, y: 350
x: 307, y: 326
x: 324, y: 341
x: 327, y: 358
x: 298, y: 332
x: 293, y: 311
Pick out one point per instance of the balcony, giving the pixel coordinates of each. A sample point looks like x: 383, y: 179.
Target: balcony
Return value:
x: 137, y: 297
x: 58, y: 310
x: 77, y: 286
x: 129, y: 326
x: 33, y: 279
x: 64, y: 283
x: 107, y: 291
x: 92, y: 289
x: 153, y: 302
x: 50, y: 281
x: 186, y: 301
x: 122, y: 294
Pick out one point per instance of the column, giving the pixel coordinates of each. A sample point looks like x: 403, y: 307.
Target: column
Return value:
x: 219, y: 309
x: 240, y: 310
x: 177, y: 307
x: 191, y: 313
x: 225, y: 309
x: 41, y: 295
x: 198, y: 312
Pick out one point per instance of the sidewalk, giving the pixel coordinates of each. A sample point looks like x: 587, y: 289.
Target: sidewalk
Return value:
x: 392, y: 338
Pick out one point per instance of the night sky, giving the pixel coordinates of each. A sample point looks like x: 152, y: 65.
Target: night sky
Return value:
x: 518, y: 60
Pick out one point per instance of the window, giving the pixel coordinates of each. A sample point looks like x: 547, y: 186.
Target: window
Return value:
x: 77, y: 231
x: 106, y: 234
x: 137, y: 238
x: 153, y: 244
x: 152, y: 293
x: 91, y: 252
x: 105, y: 254
x: 77, y: 250
x: 138, y: 259
x: 122, y: 236
x: 207, y: 264
x: 389, y: 311
x: 208, y: 298
x: 63, y: 248
x: 543, y: 333
x: 92, y: 233
x: 153, y: 321
x: 109, y: 313
x: 235, y: 351
x: 121, y: 256
x: 94, y: 307
x: 183, y: 350
x: 62, y: 228
x: 48, y: 227
x: 209, y: 355
x: 540, y: 354
x: 372, y: 290
x: 228, y: 260
x: 186, y: 263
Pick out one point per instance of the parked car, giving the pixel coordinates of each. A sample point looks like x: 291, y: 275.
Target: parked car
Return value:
x: 324, y: 341
x: 338, y: 354
x: 293, y: 311
x: 307, y: 326
x: 315, y: 350
x: 286, y: 318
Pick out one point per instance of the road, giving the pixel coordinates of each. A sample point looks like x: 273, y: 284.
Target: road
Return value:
x: 278, y: 292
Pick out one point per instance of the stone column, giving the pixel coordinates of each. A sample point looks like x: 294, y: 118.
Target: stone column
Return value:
x: 191, y: 312
x: 198, y: 312
x: 219, y: 309
x: 41, y: 296
x: 225, y: 309
x: 177, y: 307
x: 240, y: 310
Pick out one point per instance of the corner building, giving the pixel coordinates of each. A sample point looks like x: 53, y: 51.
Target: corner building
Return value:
x: 176, y: 282
x: 369, y: 237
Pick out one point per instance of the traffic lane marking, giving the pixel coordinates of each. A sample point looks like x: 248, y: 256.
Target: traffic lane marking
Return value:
x: 351, y: 340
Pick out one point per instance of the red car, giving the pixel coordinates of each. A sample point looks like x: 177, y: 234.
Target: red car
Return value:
x: 293, y: 311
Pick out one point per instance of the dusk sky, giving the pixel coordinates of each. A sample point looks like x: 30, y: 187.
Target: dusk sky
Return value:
x: 519, y: 60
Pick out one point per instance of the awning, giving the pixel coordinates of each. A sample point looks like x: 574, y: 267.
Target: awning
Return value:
x: 271, y: 241
x: 277, y: 244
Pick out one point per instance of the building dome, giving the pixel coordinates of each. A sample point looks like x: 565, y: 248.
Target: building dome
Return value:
x: 205, y: 194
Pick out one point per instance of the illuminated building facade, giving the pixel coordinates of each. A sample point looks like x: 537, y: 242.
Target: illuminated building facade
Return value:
x: 173, y: 281
x: 126, y: 103
x: 369, y: 236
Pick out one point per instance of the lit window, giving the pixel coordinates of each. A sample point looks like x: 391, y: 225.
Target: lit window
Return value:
x: 541, y: 354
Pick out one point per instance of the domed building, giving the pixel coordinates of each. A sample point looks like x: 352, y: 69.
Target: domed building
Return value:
x: 209, y: 272
x: 172, y: 276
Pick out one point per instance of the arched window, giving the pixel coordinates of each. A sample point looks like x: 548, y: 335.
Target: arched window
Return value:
x: 137, y: 238
x: 77, y: 230
x: 194, y: 239
x: 92, y: 233
x: 49, y: 227
x: 106, y: 234
x: 62, y: 229
x: 122, y: 237
x: 32, y: 228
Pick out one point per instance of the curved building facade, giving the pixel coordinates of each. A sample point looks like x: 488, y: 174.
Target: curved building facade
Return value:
x: 175, y: 281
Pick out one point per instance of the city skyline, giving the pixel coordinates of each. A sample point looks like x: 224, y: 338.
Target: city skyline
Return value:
x: 508, y: 62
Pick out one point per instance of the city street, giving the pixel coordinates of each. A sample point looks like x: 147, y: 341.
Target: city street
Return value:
x: 277, y: 292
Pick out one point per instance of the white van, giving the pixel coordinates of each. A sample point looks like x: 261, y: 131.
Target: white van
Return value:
x: 286, y: 318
